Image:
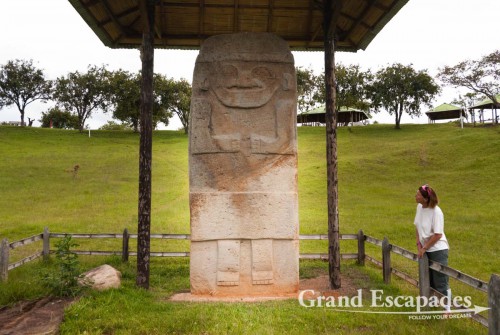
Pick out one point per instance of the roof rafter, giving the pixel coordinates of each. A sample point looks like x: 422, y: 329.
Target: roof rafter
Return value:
x: 360, y: 18
x: 270, y: 16
x: 235, y: 17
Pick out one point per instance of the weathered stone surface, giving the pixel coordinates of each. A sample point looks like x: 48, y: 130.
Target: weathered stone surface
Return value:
x: 243, y: 167
x: 103, y: 277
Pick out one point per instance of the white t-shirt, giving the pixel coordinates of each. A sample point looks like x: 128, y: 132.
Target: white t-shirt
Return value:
x: 430, y: 221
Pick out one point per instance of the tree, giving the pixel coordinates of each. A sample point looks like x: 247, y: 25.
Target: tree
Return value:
x: 59, y: 119
x: 310, y: 89
x: 481, y: 76
x: 351, y: 86
x: 399, y: 88
x: 175, y: 97
x: 84, y: 93
x: 126, y: 99
x: 21, y: 84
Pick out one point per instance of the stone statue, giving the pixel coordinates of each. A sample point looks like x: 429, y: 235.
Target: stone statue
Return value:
x: 243, y: 168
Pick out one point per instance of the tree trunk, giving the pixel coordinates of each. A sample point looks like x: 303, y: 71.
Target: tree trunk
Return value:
x: 22, y: 118
x: 399, y: 113
x: 146, y: 144
x: 331, y: 12
x: 81, y: 122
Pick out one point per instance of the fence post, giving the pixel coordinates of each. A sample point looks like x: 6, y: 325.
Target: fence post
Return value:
x: 386, y: 260
x: 125, y: 240
x: 361, y: 248
x: 424, y: 284
x: 46, y: 244
x: 4, y: 260
x: 494, y: 304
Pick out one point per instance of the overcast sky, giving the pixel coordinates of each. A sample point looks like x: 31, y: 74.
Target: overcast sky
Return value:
x: 426, y: 33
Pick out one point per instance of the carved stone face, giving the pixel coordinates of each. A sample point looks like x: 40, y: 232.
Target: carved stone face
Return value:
x: 244, y: 84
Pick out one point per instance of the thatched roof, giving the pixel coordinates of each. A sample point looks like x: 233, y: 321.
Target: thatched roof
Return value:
x: 186, y: 23
x: 445, y: 111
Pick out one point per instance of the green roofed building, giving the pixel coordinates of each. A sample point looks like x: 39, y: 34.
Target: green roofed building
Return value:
x: 444, y: 112
x: 346, y: 115
x: 486, y: 104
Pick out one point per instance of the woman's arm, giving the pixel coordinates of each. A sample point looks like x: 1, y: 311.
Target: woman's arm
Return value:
x: 434, y: 238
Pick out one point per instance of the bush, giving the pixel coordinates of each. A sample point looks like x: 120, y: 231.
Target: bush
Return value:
x: 60, y: 119
x: 65, y: 282
x: 111, y: 125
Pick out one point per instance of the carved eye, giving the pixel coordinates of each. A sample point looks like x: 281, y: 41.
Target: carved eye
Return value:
x: 263, y: 73
x: 229, y: 71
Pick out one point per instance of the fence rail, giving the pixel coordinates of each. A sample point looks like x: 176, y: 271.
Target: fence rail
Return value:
x: 25, y: 241
x: 25, y: 260
x: 492, y: 288
x: 458, y: 275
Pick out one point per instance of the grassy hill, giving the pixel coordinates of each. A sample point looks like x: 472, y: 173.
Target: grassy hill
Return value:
x: 380, y: 170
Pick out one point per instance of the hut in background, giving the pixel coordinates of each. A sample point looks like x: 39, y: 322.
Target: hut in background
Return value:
x: 486, y: 104
x: 444, y: 112
x: 346, y: 115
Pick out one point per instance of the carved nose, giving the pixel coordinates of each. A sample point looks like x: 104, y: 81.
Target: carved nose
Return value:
x: 247, y: 81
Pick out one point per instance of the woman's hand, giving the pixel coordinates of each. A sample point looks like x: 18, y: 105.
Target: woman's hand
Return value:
x: 421, y: 251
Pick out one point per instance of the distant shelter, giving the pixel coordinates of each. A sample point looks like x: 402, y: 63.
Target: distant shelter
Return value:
x: 486, y: 104
x: 445, y: 112
x: 346, y: 115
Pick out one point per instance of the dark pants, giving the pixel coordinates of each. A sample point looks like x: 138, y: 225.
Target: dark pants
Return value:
x: 439, y: 281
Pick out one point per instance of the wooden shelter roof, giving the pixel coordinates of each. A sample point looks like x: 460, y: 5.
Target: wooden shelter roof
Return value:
x: 184, y: 24
x: 445, y: 111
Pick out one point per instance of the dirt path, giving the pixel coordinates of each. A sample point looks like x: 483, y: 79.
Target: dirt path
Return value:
x: 33, y: 317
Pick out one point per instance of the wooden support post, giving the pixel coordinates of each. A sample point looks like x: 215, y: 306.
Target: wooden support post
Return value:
x: 126, y: 238
x: 145, y: 143
x: 4, y: 260
x: 361, y: 248
x: 494, y: 305
x: 331, y: 13
x: 386, y: 260
x: 424, y: 284
x: 46, y: 244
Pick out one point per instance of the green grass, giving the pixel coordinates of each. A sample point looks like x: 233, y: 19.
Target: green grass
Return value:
x: 379, y: 171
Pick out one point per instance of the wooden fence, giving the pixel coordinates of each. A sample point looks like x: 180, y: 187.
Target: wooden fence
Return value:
x: 492, y: 288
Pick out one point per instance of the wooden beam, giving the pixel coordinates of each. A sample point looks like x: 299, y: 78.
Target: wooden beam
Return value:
x: 201, y: 29
x: 123, y: 30
x: 92, y: 3
x: 159, y: 22
x: 235, y: 17
x: 132, y: 10
x: 270, y: 16
x: 312, y: 5
x: 360, y: 18
x: 239, y: 5
x: 334, y: 13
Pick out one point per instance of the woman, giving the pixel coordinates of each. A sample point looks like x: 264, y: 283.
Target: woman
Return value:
x: 429, y: 223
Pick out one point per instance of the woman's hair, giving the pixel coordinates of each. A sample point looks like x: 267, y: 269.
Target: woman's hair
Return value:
x: 429, y: 194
